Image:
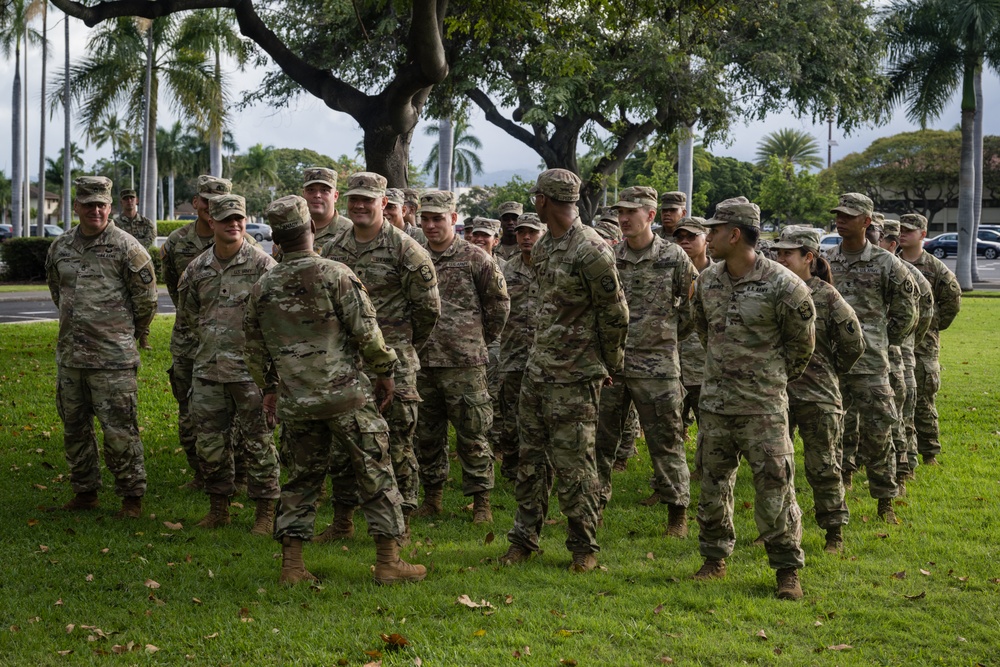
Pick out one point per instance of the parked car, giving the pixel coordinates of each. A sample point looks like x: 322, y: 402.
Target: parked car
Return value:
x: 6, y: 231
x: 944, y: 245
x: 259, y: 231
x: 829, y: 241
x: 50, y: 231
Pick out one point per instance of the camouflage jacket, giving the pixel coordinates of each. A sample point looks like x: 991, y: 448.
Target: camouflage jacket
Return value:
x: 474, y: 307
x: 402, y: 284
x: 308, y: 325
x: 947, y: 303
x: 582, y: 319
x: 925, y: 317
x: 105, y: 290
x: 884, y: 298
x: 416, y: 234
x: 522, y: 285
x: 759, y: 333
x: 839, y: 344
x: 213, y: 300
x: 337, y: 226
x: 657, y: 283
x: 692, y: 353
x: 182, y: 246
x: 507, y: 252
x: 140, y: 227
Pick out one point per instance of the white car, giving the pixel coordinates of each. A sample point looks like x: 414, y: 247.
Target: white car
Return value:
x: 828, y: 242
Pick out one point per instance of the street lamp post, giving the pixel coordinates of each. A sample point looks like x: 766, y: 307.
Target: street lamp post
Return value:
x: 131, y: 173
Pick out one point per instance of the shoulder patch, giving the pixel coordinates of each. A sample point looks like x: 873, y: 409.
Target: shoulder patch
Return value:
x: 805, y: 310
x: 609, y: 284
x: 145, y: 275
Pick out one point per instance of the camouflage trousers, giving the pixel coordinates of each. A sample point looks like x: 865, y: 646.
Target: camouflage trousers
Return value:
x: 658, y: 402
x: 909, y: 428
x: 508, y: 443
x: 821, y: 427
x: 925, y: 418
x: 628, y: 435
x: 181, y: 375
x: 215, y: 407
x: 558, y: 426
x: 494, y: 383
x: 870, y: 414
x: 690, y: 409
x: 359, y: 437
x: 111, y: 395
x: 458, y: 395
x: 763, y: 441
x: 897, y: 380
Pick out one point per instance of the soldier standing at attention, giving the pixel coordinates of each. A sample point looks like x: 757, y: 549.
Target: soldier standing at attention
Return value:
x: 947, y: 303
x: 815, y: 404
x: 402, y: 285
x: 213, y: 296
x: 486, y: 235
x: 757, y: 321
x: 411, y: 200
x: 518, y: 333
x: 452, y: 377
x: 319, y: 188
x: 142, y: 230
x: 580, y: 332
x: 672, y: 209
x: 509, y: 212
x: 884, y: 298
x: 101, y: 280
x: 308, y: 325
x: 657, y: 278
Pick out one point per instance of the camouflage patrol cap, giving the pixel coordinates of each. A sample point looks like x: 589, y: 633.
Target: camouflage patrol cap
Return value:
x: 223, y: 206
x: 322, y: 175
x: 437, y: 201
x: 854, y: 204
x: 510, y: 208
x: 673, y: 200
x: 609, y: 231
x: 735, y: 211
x: 411, y: 196
x: 878, y: 221
x: 395, y: 196
x: 91, y: 189
x: 486, y: 225
x: 213, y: 186
x: 799, y: 236
x: 366, y: 184
x: 558, y: 184
x: 608, y: 213
x: 692, y: 224
x: 127, y: 192
x: 288, y: 213
x: 531, y: 221
x: 639, y: 196
x: 913, y: 221
x: 890, y: 227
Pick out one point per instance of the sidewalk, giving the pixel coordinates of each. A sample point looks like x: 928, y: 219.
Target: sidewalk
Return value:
x: 42, y: 294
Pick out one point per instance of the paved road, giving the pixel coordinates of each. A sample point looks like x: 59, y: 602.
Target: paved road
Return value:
x: 38, y: 307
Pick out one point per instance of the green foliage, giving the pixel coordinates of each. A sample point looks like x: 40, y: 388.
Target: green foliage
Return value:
x: 24, y: 258
x: 795, y: 146
x: 484, y: 201
x: 465, y: 160
x: 167, y: 227
x: 789, y: 197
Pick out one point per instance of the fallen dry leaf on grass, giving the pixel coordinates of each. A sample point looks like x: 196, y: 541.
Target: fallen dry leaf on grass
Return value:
x: 925, y: 573
x: 899, y: 575
x: 526, y: 651
x: 394, y: 641
x: 149, y: 583
x: 840, y: 647
x: 665, y: 660
x: 508, y: 599
x: 151, y: 649
x: 44, y: 549
x: 568, y: 633
x: 762, y: 634
x: 373, y: 663
x: 479, y: 633
x: 567, y: 661
x: 173, y: 526
x: 919, y: 596
x: 212, y: 636
x: 70, y: 628
x: 489, y: 538
x: 658, y: 609
x: 89, y: 577
x: 471, y: 604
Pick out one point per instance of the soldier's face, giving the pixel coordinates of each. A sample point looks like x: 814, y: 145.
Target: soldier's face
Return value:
x: 721, y: 241
x: 852, y: 226
x: 439, y: 228
x: 410, y: 214
x: 635, y: 221
x: 888, y: 244
x: 129, y: 205
x: 230, y: 229
x: 693, y: 244
x: 200, y: 206
x: 669, y: 217
x: 911, y: 239
x: 322, y: 201
x: 394, y: 214
x: 795, y: 261
x: 507, y: 223
x: 527, y: 238
x: 365, y: 212
x: 93, y: 216
x: 485, y: 240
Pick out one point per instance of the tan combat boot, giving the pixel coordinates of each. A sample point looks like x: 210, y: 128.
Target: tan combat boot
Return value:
x: 390, y: 568
x: 292, y: 569
x: 654, y: 499
x: 834, y: 540
x: 131, y: 508
x: 712, y: 569
x: 515, y: 554
x: 885, y: 511
x: 847, y: 477
x: 82, y: 501
x: 481, y: 512
x: 583, y: 562
x: 433, y: 501
x: 144, y: 341
x: 218, y: 513
x: 931, y: 460
x: 342, y: 527
x: 677, y: 521
x: 788, y: 584
x: 263, y: 521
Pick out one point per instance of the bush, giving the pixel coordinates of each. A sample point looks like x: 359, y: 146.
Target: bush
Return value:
x: 24, y: 258
x: 166, y: 227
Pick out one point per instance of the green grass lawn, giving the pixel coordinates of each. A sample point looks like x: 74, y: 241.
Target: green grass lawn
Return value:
x: 23, y: 287
x: 924, y: 592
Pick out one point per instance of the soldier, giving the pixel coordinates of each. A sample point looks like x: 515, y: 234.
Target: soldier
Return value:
x: 657, y: 277
x: 319, y: 188
x: 308, y: 325
x: 947, y: 303
x: 213, y: 294
x: 510, y: 213
x: 815, y: 403
x: 130, y: 220
x: 486, y: 235
x: 102, y: 282
x: 580, y: 331
x: 884, y: 298
x: 757, y: 321
x: 401, y: 283
x: 673, y: 207
x: 452, y: 377
x: 609, y: 231
x: 515, y: 341
x: 395, y: 201
x: 411, y: 200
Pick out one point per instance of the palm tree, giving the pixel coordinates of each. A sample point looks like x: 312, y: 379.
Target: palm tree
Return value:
x: 109, y: 130
x: 67, y: 144
x: 258, y: 167
x: 55, y: 172
x: 935, y: 46
x: 41, y: 126
x: 795, y: 146
x: 465, y: 162
x: 171, y: 146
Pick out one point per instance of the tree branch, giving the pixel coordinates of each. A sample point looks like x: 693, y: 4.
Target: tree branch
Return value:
x: 494, y: 116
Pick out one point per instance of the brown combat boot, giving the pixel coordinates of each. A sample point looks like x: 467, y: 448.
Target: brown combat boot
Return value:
x: 931, y: 460
x: 515, y: 554
x: 834, y: 540
x: 652, y: 500
x: 263, y: 520
x: 583, y: 562
x: 481, y: 512
x: 196, y: 484
x: 390, y: 568
x: 342, y: 527
x: 885, y: 511
x: 218, y: 513
x: 788, y: 584
x: 901, y: 485
x: 82, y: 501
x: 620, y: 465
x: 712, y: 569
x: 433, y: 501
x: 677, y: 521
x: 292, y: 568
x: 131, y: 508
x: 144, y: 341
x: 848, y: 477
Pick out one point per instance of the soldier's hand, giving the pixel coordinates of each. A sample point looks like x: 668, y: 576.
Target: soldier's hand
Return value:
x: 608, y: 382
x: 271, y: 409
x: 385, y: 389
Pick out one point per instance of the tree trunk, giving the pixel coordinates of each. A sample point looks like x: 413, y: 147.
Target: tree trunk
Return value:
x: 27, y: 178
x: 16, y: 185
x: 387, y: 152
x: 149, y: 174
x: 446, y: 152
x: 966, y: 191
x: 41, y: 125
x: 977, y: 164
x: 685, y: 162
x: 67, y: 142
x: 214, y: 131
x: 169, y: 214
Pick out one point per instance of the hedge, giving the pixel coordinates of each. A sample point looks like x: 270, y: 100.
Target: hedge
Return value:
x: 24, y: 258
x: 166, y: 227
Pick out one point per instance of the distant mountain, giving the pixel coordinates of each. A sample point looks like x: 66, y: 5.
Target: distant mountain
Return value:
x: 504, y: 175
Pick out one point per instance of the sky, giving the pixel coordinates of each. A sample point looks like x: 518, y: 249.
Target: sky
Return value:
x: 310, y: 124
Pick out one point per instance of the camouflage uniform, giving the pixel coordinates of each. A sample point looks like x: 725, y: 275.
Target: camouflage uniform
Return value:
x: 759, y: 334
x: 657, y: 283
x: 141, y: 228
x: 493, y: 376
x: 402, y: 285
x: 105, y: 291
x: 213, y: 297
x: 338, y: 225
x: 580, y: 332
x: 308, y: 325
x: 502, y: 251
x: 904, y: 434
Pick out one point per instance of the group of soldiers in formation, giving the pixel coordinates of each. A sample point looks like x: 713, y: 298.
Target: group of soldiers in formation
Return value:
x: 365, y: 336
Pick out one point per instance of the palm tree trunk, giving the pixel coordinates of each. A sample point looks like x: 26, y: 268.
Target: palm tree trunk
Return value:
x: 977, y: 163
x: 41, y: 124
x: 149, y: 177
x: 685, y: 162
x: 67, y: 143
x: 446, y: 148
x: 215, y: 130
x: 27, y: 179
x: 16, y: 186
x: 966, y: 190
x: 169, y: 215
